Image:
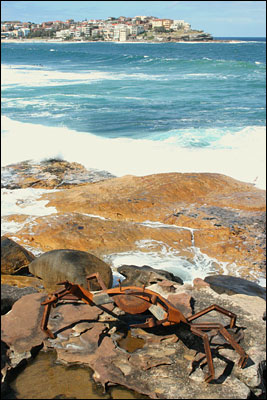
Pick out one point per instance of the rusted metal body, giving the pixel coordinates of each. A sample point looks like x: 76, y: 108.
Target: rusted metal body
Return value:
x: 135, y: 300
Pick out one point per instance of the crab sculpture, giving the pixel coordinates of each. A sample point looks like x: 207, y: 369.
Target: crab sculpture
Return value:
x: 135, y: 300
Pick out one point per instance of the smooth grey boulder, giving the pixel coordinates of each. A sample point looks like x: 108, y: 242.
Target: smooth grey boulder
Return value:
x: 73, y: 265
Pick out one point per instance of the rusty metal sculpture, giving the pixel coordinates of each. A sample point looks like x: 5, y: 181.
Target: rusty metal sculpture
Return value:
x: 136, y: 300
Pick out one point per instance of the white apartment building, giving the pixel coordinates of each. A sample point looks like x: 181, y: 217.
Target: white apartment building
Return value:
x: 121, y: 32
x: 108, y: 32
x: 180, y: 24
x: 64, y: 33
x: 25, y: 31
x: 17, y: 33
x: 95, y: 33
x: 124, y: 33
x: 86, y: 30
x: 136, y: 29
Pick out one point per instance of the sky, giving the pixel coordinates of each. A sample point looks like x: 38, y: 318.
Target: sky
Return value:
x: 219, y: 18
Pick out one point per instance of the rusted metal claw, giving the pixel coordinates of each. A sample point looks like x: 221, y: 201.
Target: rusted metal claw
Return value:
x: 135, y: 300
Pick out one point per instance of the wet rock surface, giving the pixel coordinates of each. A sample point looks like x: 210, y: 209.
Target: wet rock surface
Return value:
x: 181, y: 213
x: 168, y: 363
x: 51, y: 173
x: 220, y: 216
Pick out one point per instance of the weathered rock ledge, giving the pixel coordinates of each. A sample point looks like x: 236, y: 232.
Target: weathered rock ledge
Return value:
x: 165, y: 366
x: 51, y: 173
x: 222, y: 217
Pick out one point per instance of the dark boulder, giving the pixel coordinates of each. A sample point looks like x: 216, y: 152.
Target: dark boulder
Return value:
x: 145, y: 275
x: 234, y: 285
x: 14, y: 257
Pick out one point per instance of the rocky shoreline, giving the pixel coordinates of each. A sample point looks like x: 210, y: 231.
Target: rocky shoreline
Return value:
x: 193, y: 215
x: 205, y: 215
x: 158, y: 363
x: 204, y: 40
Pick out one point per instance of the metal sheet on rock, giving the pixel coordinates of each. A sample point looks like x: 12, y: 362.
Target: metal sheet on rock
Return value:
x: 131, y: 304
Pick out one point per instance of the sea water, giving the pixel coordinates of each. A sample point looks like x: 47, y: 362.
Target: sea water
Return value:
x: 138, y: 108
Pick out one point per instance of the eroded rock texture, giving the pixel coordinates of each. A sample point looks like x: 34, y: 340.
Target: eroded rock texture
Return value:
x: 168, y: 363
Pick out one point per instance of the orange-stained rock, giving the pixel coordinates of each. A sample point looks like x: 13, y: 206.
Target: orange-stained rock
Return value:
x: 97, y: 236
x: 22, y: 281
x: 13, y: 256
x: 222, y: 217
x: 158, y: 195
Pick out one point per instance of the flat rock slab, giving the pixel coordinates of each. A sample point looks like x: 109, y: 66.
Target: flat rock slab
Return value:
x: 20, y: 328
x: 112, y: 216
x: 164, y: 367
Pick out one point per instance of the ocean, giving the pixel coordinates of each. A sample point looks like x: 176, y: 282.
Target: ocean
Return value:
x: 138, y: 108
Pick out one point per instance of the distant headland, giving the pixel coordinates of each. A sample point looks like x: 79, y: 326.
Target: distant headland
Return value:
x: 113, y: 29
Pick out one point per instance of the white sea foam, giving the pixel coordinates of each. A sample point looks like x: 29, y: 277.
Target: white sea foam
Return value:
x: 29, y: 75
x: 25, y: 201
x: 161, y: 256
x: 240, y: 155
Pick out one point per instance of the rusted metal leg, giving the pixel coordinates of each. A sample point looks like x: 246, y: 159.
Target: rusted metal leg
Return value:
x: 220, y: 328
x: 98, y: 279
x: 243, y: 355
x: 51, y: 302
x: 205, y: 338
x: 45, y: 319
x: 215, y: 307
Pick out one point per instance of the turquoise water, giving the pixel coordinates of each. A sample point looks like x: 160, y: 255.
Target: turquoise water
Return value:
x: 168, y: 100
x: 136, y: 109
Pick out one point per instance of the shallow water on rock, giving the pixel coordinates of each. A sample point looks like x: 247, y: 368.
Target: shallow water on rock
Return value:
x: 44, y: 379
x: 131, y: 343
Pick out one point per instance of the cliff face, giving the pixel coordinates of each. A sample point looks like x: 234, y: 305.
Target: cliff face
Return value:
x: 180, y: 36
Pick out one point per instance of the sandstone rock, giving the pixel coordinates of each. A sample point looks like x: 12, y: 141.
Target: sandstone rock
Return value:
x: 20, y: 328
x: 97, y: 235
x: 200, y: 283
x: 167, y: 286
x: 182, y: 301
x: 206, y: 202
x: 23, y: 281
x: 222, y: 217
x: 13, y: 256
x: 51, y: 173
x: 145, y: 275
x: 232, y: 285
x: 161, y: 368
x: 73, y: 265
